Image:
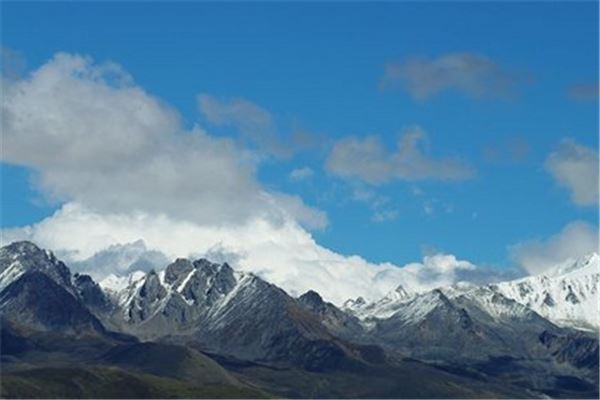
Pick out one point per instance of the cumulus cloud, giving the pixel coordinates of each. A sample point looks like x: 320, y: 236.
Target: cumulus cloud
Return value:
x: 576, y: 239
x: 472, y: 74
x: 367, y: 160
x: 284, y: 254
x: 96, y: 138
x: 575, y: 167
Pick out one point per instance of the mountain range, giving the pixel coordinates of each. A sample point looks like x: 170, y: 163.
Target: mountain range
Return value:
x: 202, y: 329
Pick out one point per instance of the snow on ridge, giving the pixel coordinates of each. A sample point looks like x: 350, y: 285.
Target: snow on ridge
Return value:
x: 567, y: 295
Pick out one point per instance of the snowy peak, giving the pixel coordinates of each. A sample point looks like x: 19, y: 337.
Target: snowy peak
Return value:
x: 566, y: 295
x: 184, y: 291
x: 415, y: 310
x: 585, y: 265
x: 353, y: 305
x: 383, y: 308
x: 19, y: 258
x: 399, y: 294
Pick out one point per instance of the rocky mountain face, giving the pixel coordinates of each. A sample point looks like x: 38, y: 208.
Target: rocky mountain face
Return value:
x: 229, y: 313
x: 38, y: 293
x: 238, y: 316
x: 511, y: 319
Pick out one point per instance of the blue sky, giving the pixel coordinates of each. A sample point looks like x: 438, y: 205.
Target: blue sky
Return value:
x: 318, y: 68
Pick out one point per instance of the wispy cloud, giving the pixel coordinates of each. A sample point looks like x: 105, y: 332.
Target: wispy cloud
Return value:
x: 472, y: 74
x: 576, y: 239
x: 585, y: 91
x: 381, y: 208
x: 575, y: 167
x: 300, y: 174
x: 366, y: 159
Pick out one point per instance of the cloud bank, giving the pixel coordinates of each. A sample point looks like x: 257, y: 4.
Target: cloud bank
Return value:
x: 284, y: 254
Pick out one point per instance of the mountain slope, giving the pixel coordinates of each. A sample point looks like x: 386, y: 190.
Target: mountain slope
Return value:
x: 566, y: 295
x: 231, y: 313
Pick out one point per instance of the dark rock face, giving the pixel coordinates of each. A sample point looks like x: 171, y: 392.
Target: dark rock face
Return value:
x: 91, y: 293
x: 209, y: 283
x: 576, y: 348
x: 176, y: 272
x: 335, y: 320
x: 240, y: 316
x: 38, y: 302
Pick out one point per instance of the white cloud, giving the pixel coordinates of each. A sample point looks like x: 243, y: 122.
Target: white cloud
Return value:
x: 300, y: 174
x: 284, y: 254
x: 575, y: 167
x: 118, y: 259
x: 576, y: 239
x: 367, y: 160
x: 128, y: 170
x: 472, y: 74
x: 95, y: 138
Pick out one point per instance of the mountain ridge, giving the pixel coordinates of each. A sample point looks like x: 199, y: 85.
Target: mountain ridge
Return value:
x: 234, y: 315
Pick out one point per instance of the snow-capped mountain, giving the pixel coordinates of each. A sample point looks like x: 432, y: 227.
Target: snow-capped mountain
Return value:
x: 230, y: 312
x: 567, y: 295
x: 37, y: 292
x: 20, y: 257
x: 239, y: 316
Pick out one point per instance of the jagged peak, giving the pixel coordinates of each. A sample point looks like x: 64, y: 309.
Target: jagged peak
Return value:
x: 22, y: 257
x: 352, y: 304
x: 399, y: 293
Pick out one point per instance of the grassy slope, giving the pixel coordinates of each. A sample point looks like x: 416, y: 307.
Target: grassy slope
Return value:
x: 170, y: 361
x: 109, y: 382
x: 411, y: 379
